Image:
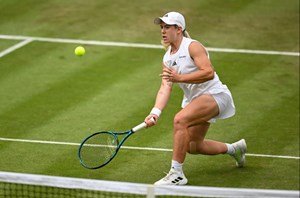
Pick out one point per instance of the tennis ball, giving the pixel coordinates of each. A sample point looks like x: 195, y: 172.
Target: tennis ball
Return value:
x: 79, y: 51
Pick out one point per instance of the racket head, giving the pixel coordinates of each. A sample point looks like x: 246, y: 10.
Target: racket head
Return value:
x: 98, y: 149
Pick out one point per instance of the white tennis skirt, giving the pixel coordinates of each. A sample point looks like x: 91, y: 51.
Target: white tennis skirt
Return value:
x: 225, y: 104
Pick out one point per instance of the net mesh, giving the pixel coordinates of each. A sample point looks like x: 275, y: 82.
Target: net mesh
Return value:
x: 12, y: 190
x: 16, y: 185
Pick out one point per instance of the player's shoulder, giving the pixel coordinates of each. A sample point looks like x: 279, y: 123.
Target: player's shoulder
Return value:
x: 196, y: 47
x: 196, y: 43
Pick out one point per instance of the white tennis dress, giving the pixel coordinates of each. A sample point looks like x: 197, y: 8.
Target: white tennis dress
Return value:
x: 183, y: 63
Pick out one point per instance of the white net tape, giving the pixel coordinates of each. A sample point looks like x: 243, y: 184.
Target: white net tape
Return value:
x: 144, y: 189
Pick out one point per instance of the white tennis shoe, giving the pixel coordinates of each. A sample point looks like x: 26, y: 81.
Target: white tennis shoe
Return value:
x: 173, y: 178
x: 240, y: 148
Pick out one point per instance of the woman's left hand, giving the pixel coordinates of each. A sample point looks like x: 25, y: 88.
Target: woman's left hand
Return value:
x: 170, y: 74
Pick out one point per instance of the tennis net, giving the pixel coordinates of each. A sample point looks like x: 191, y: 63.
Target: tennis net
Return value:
x: 41, y: 186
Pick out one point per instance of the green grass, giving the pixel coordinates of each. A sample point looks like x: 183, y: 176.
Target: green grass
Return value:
x: 257, y: 24
x: 4, y: 44
x: 47, y: 93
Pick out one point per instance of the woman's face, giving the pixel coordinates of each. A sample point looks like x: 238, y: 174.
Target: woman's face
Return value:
x: 169, y: 33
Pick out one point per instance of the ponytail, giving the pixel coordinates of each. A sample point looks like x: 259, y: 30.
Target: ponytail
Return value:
x: 186, y: 34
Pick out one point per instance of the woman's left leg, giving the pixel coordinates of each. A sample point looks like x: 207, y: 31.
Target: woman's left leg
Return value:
x: 190, y: 127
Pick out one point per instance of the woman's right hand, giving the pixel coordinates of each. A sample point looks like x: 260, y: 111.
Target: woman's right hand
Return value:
x: 151, y: 120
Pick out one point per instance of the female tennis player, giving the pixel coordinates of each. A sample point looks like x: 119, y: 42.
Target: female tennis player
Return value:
x: 205, y: 99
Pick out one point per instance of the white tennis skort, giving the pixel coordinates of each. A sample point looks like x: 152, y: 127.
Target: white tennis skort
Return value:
x: 225, y: 104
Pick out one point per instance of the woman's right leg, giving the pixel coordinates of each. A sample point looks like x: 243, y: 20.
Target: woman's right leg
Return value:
x: 199, y: 145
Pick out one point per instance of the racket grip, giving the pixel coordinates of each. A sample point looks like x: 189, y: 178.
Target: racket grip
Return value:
x: 141, y: 126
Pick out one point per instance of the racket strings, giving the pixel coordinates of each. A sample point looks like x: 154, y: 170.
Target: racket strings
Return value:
x: 111, y: 147
x: 98, y: 149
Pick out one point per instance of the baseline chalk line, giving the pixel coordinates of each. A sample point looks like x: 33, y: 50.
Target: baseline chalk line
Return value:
x: 130, y: 147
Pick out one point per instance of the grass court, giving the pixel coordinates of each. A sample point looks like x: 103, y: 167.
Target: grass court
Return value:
x: 49, y: 95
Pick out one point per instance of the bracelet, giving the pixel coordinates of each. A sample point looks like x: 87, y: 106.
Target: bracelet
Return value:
x: 155, y: 111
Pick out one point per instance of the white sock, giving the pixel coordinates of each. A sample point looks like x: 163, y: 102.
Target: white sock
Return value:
x: 230, y: 149
x: 176, y: 165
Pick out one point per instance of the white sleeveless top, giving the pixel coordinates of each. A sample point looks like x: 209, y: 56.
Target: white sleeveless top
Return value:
x: 183, y: 63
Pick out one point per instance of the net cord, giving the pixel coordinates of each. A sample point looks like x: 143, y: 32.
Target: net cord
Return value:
x: 144, y: 189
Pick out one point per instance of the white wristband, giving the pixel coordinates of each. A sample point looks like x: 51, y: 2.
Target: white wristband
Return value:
x: 155, y: 111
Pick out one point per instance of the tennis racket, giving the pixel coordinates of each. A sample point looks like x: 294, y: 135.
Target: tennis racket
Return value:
x: 100, y: 148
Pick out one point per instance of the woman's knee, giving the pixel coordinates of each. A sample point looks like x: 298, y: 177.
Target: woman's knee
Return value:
x: 180, y: 121
x: 195, y: 147
x: 192, y: 147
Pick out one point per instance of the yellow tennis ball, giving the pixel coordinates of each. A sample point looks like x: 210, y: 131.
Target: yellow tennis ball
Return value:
x: 79, y: 51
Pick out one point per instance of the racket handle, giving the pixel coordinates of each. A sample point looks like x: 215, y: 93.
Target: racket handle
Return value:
x: 141, y: 126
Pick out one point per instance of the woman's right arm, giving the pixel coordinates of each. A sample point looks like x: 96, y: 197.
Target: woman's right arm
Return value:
x: 161, y: 101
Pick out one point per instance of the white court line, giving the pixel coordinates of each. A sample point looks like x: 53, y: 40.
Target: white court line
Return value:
x: 140, y: 45
x: 14, y: 47
x: 253, y: 51
x: 130, y: 147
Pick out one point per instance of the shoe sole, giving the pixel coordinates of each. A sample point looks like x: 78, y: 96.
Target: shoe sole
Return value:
x: 243, y: 151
